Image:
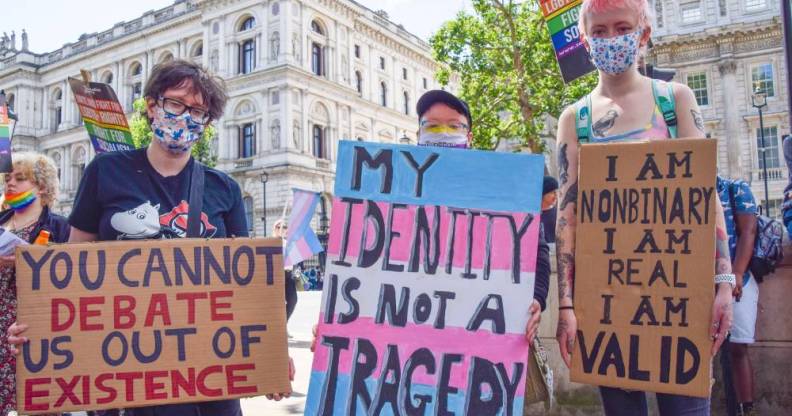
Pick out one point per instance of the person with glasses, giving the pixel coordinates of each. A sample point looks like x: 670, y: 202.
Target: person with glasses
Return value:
x: 143, y: 193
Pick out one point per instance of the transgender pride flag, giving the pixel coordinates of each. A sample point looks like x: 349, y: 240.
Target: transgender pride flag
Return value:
x: 301, y: 241
x: 430, y: 273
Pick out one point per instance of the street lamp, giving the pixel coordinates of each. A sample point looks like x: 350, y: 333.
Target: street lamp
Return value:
x: 324, y: 225
x: 264, y: 176
x: 759, y: 101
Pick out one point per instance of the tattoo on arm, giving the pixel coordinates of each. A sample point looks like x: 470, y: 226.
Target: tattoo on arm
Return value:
x: 570, y: 197
x: 563, y: 164
x: 603, y: 125
x: 698, y: 120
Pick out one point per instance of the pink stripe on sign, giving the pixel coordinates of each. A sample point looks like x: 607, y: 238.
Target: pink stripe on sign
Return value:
x: 507, y: 349
x: 404, y: 224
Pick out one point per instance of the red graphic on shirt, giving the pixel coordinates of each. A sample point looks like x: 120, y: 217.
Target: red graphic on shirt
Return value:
x: 176, y: 221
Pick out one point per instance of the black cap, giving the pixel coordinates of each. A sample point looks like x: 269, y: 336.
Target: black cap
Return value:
x: 433, y: 97
x: 550, y: 184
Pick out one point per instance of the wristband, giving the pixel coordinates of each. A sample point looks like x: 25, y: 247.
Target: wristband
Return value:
x: 726, y: 278
x: 561, y: 308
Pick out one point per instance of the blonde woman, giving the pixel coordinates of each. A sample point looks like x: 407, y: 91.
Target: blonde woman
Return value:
x: 30, y: 190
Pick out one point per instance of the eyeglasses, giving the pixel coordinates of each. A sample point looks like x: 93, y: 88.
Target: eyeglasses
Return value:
x: 177, y: 108
x: 430, y: 127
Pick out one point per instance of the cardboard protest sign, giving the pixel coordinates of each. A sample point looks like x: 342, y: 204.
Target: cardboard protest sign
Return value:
x: 430, y: 274
x: 102, y: 115
x: 134, y: 323
x: 645, y: 265
x: 561, y: 17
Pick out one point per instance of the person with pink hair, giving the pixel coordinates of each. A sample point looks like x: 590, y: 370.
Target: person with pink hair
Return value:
x: 627, y: 106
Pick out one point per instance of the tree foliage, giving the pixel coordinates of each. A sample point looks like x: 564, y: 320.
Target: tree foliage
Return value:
x: 509, y: 76
x: 142, y: 135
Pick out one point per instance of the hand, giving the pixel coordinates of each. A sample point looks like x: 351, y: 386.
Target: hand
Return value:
x: 8, y: 261
x: 14, y: 338
x: 279, y: 396
x: 737, y: 291
x: 533, y: 322
x: 721, y: 316
x: 565, y: 334
x: 313, y: 340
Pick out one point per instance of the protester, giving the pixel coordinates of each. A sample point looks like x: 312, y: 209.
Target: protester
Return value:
x: 30, y: 190
x: 739, y: 206
x: 622, y: 108
x: 141, y: 194
x: 279, y: 230
x: 445, y: 120
x: 549, y: 213
x: 786, y: 208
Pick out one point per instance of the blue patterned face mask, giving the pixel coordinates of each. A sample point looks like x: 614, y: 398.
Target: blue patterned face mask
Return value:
x: 177, y: 134
x: 617, y: 54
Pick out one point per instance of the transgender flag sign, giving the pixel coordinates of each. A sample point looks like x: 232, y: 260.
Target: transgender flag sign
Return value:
x: 429, y: 278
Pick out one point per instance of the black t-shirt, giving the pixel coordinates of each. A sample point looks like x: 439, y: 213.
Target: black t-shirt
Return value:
x: 122, y: 197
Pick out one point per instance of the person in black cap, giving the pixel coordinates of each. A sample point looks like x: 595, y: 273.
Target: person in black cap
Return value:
x: 549, y: 199
x: 444, y: 120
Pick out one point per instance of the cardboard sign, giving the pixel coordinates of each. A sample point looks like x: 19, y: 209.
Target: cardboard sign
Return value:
x: 430, y: 275
x: 102, y: 115
x: 645, y: 264
x: 561, y: 17
x: 135, y: 323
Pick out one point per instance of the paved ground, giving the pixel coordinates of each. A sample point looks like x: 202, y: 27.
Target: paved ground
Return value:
x: 300, y: 325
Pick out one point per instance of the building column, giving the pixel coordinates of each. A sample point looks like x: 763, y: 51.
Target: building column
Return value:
x: 728, y: 72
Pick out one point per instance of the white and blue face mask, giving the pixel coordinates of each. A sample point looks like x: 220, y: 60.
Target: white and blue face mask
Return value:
x: 177, y: 134
x: 617, y: 54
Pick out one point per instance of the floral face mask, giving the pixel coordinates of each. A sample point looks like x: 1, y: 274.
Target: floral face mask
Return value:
x: 617, y: 54
x: 177, y: 134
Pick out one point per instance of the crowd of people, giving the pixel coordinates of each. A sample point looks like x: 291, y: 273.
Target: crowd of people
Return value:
x: 182, y: 99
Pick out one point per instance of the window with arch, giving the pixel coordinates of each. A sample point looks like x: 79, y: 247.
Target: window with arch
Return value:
x: 359, y: 82
x: 248, y: 203
x: 79, y: 158
x: 383, y: 94
x: 56, y: 157
x: 406, y: 103
x: 107, y: 78
x: 317, y: 59
x: 10, y: 98
x: 197, y: 50
x: 319, y: 145
x: 247, y: 24
x: 136, y: 83
x: 247, y: 55
x: 57, y: 108
x: 167, y: 56
x: 247, y: 140
x: 316, y: 27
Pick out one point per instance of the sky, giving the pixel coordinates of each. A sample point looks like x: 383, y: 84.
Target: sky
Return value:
x: 64, y: 21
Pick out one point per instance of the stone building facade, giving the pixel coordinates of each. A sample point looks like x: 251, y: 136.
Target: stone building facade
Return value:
x: 301, y: 75
x: 725, y: 50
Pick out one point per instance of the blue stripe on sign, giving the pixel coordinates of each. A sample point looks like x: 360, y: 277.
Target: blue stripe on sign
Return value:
x: 312, y: 405
x: 565, y: 37
x: 459, y: 178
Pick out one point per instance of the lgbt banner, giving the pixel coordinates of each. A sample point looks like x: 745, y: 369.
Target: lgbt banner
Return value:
x: 430, y: 274
x: 103, y: 116
x: 561, y: 17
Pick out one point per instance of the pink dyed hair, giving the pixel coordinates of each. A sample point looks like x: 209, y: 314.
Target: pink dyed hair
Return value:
x: 641, y: 7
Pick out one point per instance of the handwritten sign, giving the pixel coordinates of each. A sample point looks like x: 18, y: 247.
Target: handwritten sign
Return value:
x: 644, y: 257
x: 125, y: 324
x: 102, y: 115
x: 431, y: 264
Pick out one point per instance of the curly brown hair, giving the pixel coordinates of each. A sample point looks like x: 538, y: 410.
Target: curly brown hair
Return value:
x: 39, y: 169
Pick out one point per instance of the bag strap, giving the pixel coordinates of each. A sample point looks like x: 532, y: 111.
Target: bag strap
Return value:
x: 196, y: 200
x: 664, y: 99
x: 583, y: 120
x: 730, y: 186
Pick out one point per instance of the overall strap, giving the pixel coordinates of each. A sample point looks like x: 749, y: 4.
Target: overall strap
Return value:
x: 583, y: 120
x: 664, y: 99
x: 196, y: 200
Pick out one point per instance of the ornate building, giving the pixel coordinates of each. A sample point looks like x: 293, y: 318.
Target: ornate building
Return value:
x: 725, y: 50
x: 301, y: 75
